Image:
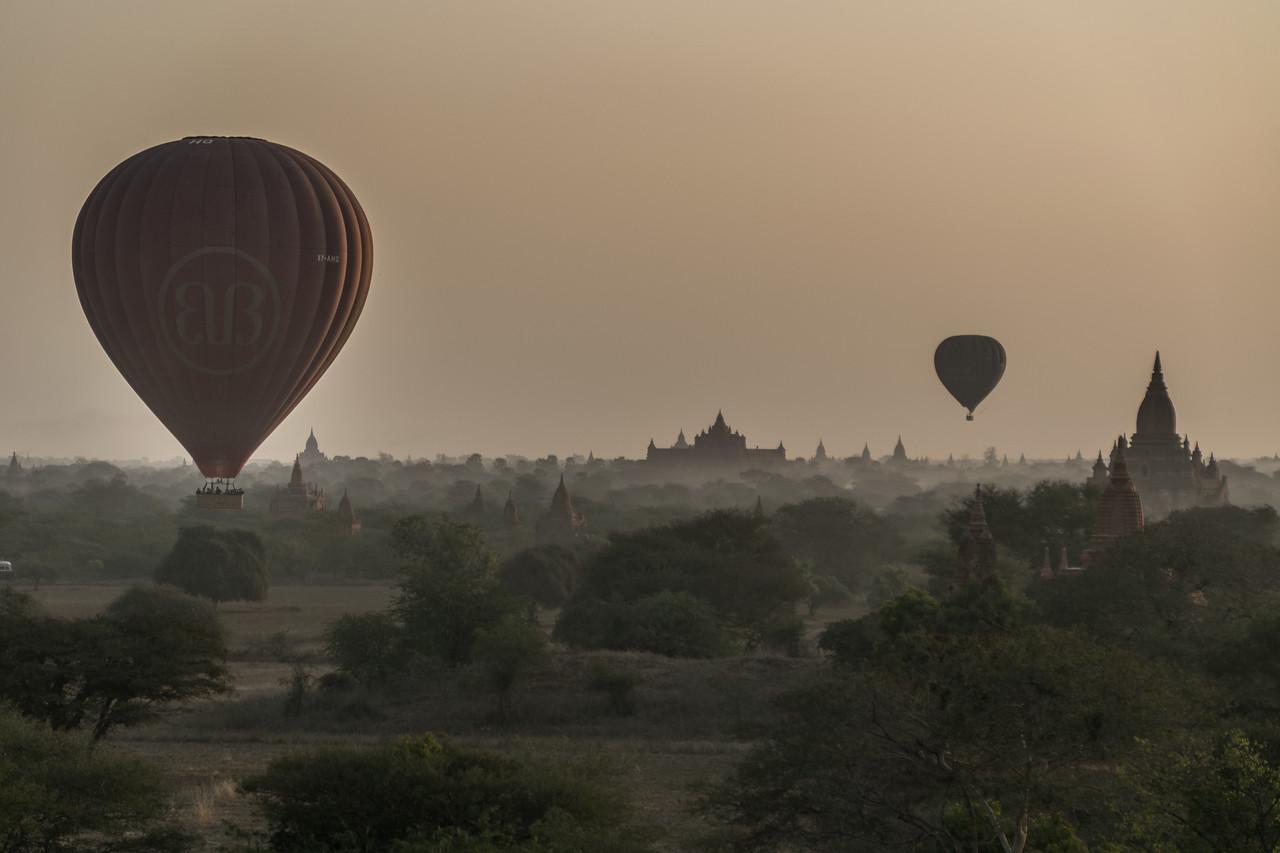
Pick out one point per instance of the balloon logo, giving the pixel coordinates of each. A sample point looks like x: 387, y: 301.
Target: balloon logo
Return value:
x: 203, y: 313
x: 969, y: 367
x: 222, y: 275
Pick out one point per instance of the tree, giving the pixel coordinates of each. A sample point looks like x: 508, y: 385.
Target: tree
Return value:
x: 151, y: 649
x: 837, y: 536
x: 675, y: 624
x: 368, y: 646
x: 949, y: 725
x: 1052, y: 513
x: 886, y: 585
x: 1205, y: 797
x: 221, y: 565
x: 448, y: 586
x: 506, y: 652
x: 424, y: 796
x: 824, y: 590
x: 725, y: 559
x: 1179, y: 588
x: 545, y: 574
x: 57, y: 796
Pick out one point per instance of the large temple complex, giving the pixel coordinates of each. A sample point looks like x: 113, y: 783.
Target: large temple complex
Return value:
x: 1165, y: 469
x: 717, y: 446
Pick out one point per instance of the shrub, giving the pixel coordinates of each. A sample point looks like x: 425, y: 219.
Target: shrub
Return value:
x: 786, y: 635
x: 421, y: 795
x: 57, y: 796
x: 617, y: 685
x: 298, y: 687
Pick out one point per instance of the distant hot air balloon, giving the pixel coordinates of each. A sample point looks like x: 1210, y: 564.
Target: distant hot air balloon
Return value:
x: 970, y: 367
x: 222, y: 275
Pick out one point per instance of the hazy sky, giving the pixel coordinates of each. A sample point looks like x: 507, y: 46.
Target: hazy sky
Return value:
x: 600, y: 222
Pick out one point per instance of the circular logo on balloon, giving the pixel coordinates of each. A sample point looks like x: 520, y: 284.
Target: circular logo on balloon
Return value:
x: 219, y: 310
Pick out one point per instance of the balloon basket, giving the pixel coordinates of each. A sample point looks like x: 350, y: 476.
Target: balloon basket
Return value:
x: 220, y: 501
x: 968, y: 417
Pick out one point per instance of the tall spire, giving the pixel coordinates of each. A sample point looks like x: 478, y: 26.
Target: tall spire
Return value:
x: 1156, y: 415
x: 295, y: 477
x: 509, y: 512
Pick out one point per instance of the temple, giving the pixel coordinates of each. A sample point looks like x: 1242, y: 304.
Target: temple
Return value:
x: 347, y: 516
x: 476, y: 509
x: 510, y: 515
x: 1166, y: 471
x: 716, y: 446
x: 1119, y: 512
x: 977, y: 545
x: 899, y: 454
x: 297, y: 498
x: 561, y: 522
x: 15, y: 467
x: 311, y: 454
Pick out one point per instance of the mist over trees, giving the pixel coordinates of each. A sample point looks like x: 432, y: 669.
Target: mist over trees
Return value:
x: 874, y: 694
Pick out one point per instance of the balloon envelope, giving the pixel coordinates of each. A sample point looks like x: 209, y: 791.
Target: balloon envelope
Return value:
x: 970, y: 367
x: 222, y: 275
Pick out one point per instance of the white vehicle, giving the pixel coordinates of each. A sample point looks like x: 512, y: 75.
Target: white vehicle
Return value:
x: 6, y: 569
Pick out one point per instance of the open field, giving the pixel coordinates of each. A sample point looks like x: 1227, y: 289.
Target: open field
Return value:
x: 690, y: 725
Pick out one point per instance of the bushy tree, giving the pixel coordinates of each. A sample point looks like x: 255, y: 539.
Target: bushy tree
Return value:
x: 824, y: 590
x: 954, y: 725
x: 425, y: 796
x: 675, y: 624
x: 839, y: 538
x: 57, y: 797
x: 726, y: 560
x: 449, y: 587
x: 153, y: 648
x: 1204, y: 795
x: 221, y: 565
x: 545, y: 574
x: 368, y: 646
x: 505, y: 653
x: 886, y: 585
x: 1053, y: 513
x: 1182, y: 587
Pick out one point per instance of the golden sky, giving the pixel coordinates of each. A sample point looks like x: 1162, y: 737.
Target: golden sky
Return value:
x: 597, y: 222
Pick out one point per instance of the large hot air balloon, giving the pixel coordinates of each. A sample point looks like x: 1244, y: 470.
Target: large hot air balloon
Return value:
x: 222, y: 275
x: 970, y: 367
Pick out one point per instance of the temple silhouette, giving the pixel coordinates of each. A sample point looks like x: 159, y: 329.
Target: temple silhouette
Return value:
x: 1165, y: 469
x: 716, y: 446
x: 297, y: 498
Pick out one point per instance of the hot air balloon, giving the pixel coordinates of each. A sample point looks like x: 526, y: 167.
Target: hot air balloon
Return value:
x: 222, y: 275
x: 970, y: 367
